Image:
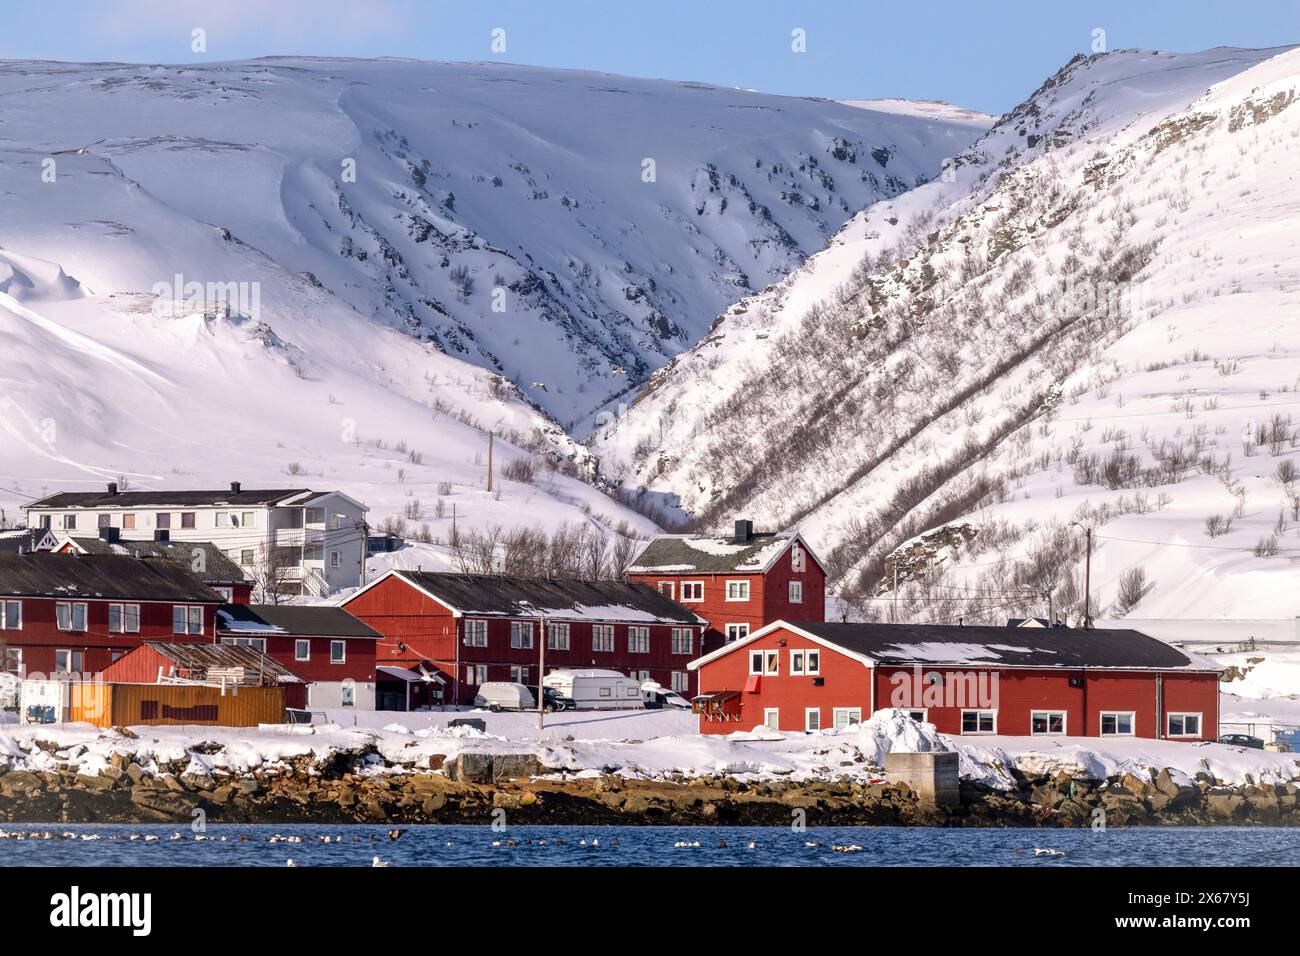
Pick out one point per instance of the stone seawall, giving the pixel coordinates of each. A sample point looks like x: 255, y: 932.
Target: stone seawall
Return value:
x: 472, y: 787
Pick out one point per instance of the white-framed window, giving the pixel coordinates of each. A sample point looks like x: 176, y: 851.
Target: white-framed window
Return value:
x: 11, y: 616
x: 692, y: 592
x: 302, y: 649
x: 797, y: 559
x: 476, y: 632
x: 519, y: 674
x: 476, y: 674
x: 69, y: 522
x: 1183, y: 724
x: 221, y: 519
x: 640, y: 677
x: 247, y: 557
x: 683, y: 640
x: 668, y: 588
x: 187, y: 619
x: 846, y: 716
x: 68, y: 662
x: 313, y: 515
x: 70, y: 616
x: 248, y: 519
x: 124, y: 618
x: 336, y: 559
x: 681, y: 682
x: 1118, y: 723
x: 765, y: 662
x: 772, y: 717
x: 805, y: 663
x: 227, y: 594
x: 979, y: 721
x: 602, y: 638
x: 1047, y: 723
x: 796, y: 592
x: 128, y: 521
x: 105, y: 521
x: 736, y: 632
x: 812, y: 718
x: 737, y: 590
x: 638, y: 640
x: 13, y: 661
x: 521, y: 634
x: 256, y: 643
x: 338, y: 652
x: 347, y: 694
x: 557, y: 637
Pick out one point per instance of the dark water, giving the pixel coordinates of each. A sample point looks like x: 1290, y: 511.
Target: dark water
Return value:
x: 650, y: 846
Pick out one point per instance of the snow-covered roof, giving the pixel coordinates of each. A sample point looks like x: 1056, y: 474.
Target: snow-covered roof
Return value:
x: 701, y: 554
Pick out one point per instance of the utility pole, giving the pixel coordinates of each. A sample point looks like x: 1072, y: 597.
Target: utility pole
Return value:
x: 365, y: 548
x: 489, y: 483
x: 1087, y: 583
x: 895, y: 611
x: 541, y: 669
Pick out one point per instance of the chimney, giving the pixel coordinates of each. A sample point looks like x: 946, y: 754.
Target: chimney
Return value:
x: 162, y: 534
x: 744, y: 531
x: 112, y: 487
x: 110, y: 534
x: 234, y: 487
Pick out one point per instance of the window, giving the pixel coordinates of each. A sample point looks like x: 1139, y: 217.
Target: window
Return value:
x: 979, y: 721
x: 476, y: 633
x: 666, y: 587
x: 476, y: 674
x: 124, y: 618
x: 606, y: 692
x: 247, y: 557
x: 222, y: 519
x: 683, y: 640
x: 917, y: 715
x: 187, y: 519
x: 736, y: 632
x: 765, y: 662
x: 347, y: 694
x: 45, y: 522
x: 737, y: 590
x: 105, y: 521
x: 12, y: 617
x: 128, y: 521
x: 302, y: 649
x: 796, y: 592
x: 521, y: 634
x: 602, y: 637
x: 1184, y: 725
x: 314, y: 515
x: 13, y: 660
x: 692, y: 591
x: 336, y: 560
x: 70, y: 617
x: 338, y: 521
x: 519, y: 674
x: 68, y: 662
x: 681, y: 682
x: 227, y: 594
x: 557, y: 637
x: 640, y: 677
x: 638, y: 640
x: 772, y: 717
x: 805, y: 663
x: 162, y: 519
x: 187, y: 619
x: 338, y: 652
x: 69, y: 522
x: 797, y: 561
x: 1045, y: 722
x: 1117, y: 723
x: 248, y: 519
x: 844, y: 716
x: 256, y: 643
x: 812, y: 718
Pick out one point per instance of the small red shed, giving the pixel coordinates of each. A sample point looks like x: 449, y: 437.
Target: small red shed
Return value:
x: 969, y: 681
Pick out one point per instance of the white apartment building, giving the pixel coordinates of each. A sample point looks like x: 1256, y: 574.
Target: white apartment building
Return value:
x: 295, y: 540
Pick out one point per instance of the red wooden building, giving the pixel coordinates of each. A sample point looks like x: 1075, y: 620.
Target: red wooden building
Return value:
x: 738, y: 584
x: 64, y: 614
x: 331, y: 651
x: 478, y: 628
x: 964, y: 680
x: 203, y: 559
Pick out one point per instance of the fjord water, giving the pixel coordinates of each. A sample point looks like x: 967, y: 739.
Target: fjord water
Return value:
x: 272, y: 845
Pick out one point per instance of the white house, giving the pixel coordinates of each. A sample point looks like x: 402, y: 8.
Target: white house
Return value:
x: 293, y: 540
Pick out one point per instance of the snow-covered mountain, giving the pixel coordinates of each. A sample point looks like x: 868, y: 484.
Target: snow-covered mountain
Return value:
x: 364, y: 220
x: 1092, y: 318
x: 571, y: 231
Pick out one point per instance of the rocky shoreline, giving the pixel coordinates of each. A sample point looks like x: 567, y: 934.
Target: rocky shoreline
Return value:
x: 474, y: 788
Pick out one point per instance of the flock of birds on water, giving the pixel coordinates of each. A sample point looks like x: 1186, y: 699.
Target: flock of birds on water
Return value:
x: 396, y: 834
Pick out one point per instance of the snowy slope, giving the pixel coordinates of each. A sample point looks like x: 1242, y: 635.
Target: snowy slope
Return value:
x: 501, y: 212
x: 1092, y: 318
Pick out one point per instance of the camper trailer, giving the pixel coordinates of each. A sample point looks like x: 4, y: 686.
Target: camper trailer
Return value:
x: 498, y: 695
x: 596, y: 689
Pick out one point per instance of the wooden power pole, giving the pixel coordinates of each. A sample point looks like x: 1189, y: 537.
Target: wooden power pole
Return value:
x: 541, y: 669
x: 1087, y: 581
x: 489, y: 485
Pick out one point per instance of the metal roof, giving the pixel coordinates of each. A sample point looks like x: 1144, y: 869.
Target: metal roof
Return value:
x: 217, y: 567
x: 696, y: 554
x: 165, y: 499
x: 300, y: 620
x: 106, y: 576
x: 197, y: 660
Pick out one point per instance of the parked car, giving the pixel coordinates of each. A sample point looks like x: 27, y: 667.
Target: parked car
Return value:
x: 553, y: 700
x: 596, y: 689
x: 1242, y: 740
x: 658, y: 697
x: 504, y: 695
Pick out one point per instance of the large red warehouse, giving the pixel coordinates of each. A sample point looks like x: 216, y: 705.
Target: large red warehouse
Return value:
x: 964, y: 680
x: 477, y: 628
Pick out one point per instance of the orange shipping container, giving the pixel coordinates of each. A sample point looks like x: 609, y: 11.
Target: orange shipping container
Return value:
x: 121, y: 705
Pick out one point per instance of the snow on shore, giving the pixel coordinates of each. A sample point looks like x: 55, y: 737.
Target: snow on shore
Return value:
x: 856, y: 752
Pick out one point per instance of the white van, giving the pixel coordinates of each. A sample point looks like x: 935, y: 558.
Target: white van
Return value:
x: 596, y: 689
x: 504, y: 695
x: 659, y: 697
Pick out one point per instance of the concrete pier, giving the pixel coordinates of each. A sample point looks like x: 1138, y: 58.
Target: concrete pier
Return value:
x: 932, y: 776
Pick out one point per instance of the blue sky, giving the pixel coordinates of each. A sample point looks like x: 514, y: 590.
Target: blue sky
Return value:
x: 986, y: 56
